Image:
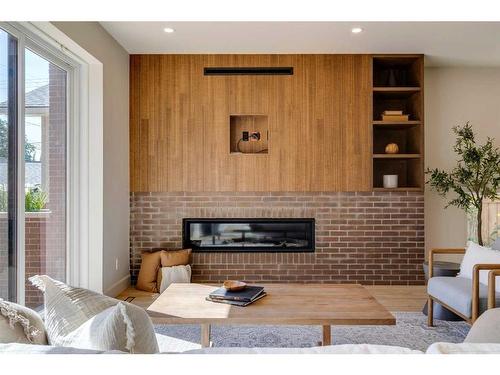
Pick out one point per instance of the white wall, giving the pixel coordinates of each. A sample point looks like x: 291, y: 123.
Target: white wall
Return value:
x: 93, y: 38
x: 454, y: 96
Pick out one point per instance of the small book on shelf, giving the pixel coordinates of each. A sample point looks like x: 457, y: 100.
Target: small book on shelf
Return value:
x: 392, y: 113
x: 395, y: 117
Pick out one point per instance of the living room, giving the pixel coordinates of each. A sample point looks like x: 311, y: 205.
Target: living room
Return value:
x: 204, y: 183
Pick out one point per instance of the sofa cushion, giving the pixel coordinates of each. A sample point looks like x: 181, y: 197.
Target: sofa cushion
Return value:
x: 456, y: 292
x: 47, y: 349
x: 476, y: 254
x: 19, y: 324
x: 330, y: 349
x: 486, y: 329
x: 72, y: 313
x: 464, y: 348
x: 150, y: 264
x: 175, y: 274
x: 168, y: 344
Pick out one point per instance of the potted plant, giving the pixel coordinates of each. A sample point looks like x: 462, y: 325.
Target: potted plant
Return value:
x: 475, y: 177
x: 35, y: 199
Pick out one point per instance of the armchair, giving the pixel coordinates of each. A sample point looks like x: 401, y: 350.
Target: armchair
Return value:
x: 491, y: 288
x: 464, y: 297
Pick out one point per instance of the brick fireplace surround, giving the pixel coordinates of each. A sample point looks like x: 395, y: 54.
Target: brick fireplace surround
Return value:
x: 365, y: 237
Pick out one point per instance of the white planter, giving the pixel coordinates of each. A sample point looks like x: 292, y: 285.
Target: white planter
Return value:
x: 390, y: 181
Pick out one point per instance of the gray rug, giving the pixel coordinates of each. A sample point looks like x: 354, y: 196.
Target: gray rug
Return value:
x: 410, y: 331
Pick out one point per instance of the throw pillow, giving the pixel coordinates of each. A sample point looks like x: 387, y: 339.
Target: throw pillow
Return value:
x: 67, y: 308
x: 19, y: 324
x: 175, y: 274
x: 123, y: 327
x: 149, y: 269
x: 170, y: 258
x: 476, y: 254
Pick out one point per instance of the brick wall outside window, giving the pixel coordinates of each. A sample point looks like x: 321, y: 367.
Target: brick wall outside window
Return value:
x: 364, y: 237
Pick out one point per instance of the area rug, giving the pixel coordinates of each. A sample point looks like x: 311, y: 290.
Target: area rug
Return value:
x: 410, y: 331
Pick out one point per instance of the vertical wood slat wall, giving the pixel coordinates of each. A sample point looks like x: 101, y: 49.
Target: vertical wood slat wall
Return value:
x: 319, y: 119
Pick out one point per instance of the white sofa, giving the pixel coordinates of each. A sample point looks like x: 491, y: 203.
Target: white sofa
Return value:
x: 483, y: 338
x: 437, y: 348
x: 18, y: 324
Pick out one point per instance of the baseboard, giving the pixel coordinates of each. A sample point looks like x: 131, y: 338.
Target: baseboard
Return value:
x: 118, y: 287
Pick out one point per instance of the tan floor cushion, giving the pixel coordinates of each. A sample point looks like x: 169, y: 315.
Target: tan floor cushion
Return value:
x: 150, y: 264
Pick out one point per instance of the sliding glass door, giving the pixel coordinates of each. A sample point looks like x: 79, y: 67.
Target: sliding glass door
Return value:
x: 45, y: 123
x: 8, y: 166
x: 33, y: 167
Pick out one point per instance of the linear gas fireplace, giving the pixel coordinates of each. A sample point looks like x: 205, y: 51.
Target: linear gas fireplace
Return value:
x: 249, y: 235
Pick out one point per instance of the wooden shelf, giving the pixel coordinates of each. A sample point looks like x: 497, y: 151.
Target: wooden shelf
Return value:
x: 397, y: 189
x: 395, y: 92
x: 396, y: 89
x: 397, y: 85
x: 396, y: 123
x: 396, y: 156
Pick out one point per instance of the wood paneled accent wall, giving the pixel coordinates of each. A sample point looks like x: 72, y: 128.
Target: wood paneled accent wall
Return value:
x: 319, y: 122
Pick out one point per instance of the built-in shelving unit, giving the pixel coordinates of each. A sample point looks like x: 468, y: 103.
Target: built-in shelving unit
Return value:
x: 398, y: 85
x: 241, y: 129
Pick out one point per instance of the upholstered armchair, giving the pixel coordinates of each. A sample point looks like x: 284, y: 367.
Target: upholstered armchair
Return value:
x: 467, y: 298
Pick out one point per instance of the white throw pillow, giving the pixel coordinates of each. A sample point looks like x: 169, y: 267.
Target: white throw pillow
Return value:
x: 175, y: 274
x: 85, y: 319
x: 120, y: 327
x: 476, y: 254
x: 19, y: 324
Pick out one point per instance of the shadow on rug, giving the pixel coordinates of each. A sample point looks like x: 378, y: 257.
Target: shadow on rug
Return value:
x: 410, y: 331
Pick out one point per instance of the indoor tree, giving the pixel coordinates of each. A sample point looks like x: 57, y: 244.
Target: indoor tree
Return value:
x: 475, y: 177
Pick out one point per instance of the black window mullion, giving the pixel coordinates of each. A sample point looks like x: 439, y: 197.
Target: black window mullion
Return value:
x: 12, y: 165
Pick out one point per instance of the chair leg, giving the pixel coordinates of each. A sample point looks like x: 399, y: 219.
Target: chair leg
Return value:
x: 430, y: 312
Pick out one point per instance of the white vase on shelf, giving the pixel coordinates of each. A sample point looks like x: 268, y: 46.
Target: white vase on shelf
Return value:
x: 390, y: 181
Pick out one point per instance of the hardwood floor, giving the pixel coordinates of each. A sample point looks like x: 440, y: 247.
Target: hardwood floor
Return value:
x: 393, y: 297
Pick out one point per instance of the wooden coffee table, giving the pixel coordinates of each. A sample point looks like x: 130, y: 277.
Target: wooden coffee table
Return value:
x: 285, y: 304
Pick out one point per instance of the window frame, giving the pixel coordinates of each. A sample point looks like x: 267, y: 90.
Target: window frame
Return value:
x: 83, y: 149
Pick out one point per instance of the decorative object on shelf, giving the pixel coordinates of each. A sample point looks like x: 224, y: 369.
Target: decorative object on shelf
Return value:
x: 390, y: 181
x: 394, y: 116
x: 392, y: 148
x: 234, y: 285
x: 396, y: 77
x: 475, y: 178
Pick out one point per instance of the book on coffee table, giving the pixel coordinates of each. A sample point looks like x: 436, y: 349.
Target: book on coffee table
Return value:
x: 249, y: 294
x: 236, y: 303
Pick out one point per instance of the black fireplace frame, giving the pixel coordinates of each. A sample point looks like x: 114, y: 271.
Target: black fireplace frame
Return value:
x: 186, y: 235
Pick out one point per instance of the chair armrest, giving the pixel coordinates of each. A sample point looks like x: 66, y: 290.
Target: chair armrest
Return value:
x: 492, y: 288
x: 441, y: 251
x: 475, y: 286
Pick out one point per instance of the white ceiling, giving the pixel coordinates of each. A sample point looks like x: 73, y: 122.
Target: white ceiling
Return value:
x: 443, y: 43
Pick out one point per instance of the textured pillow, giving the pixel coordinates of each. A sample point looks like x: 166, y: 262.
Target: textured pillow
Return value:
x: 476, y: 254
x: 175, y: 274
x: 19, y: 324
x: 71, y: 312
x: 123, y: 327
x: 150, y: 265
x: 170, y: 258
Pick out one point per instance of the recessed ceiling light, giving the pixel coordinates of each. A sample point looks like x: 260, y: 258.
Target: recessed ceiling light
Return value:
x: 168, y: 30
x: 356, y: 30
